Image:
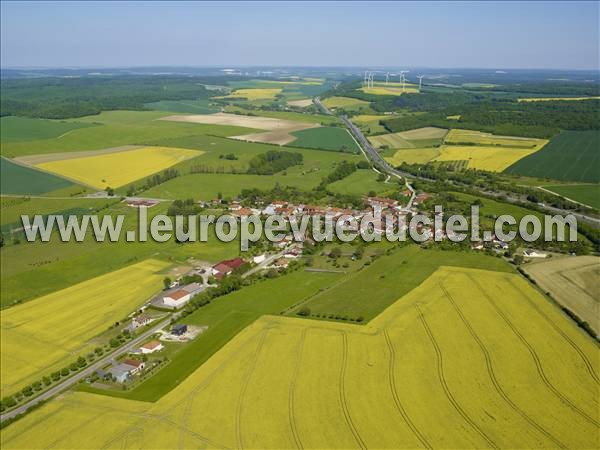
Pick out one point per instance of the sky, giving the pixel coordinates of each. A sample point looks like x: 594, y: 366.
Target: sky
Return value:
x: 558, y: 35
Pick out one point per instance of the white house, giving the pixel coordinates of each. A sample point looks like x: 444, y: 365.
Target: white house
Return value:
x: 534, y: 254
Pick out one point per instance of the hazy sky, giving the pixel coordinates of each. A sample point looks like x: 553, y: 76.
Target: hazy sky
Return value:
x: 437, y: 34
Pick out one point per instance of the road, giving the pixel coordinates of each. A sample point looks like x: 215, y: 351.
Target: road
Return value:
x: 266, y: 262
x: 385, y: 167
x: 66, y: 384
x: 105, y: 360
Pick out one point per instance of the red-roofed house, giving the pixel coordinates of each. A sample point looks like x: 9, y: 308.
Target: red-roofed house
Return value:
x: 136, y: 365
x: 226, y: 267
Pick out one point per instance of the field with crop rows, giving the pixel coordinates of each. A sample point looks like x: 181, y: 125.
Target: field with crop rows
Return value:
x: 588, y: 194
x: 498, y: 368
x: 326, y: 138
x: 574, y: 282
x: 15, y: 129
x: 51, y: 331
x: 17, y: 179
x: 570, y: 156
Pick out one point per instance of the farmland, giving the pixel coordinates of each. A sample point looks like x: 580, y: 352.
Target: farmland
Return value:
x: 17, y: 179
x: 15, y: 129
x: 116, y: 128
x: 556, y: 99
x: 493, y: 159
x: 588, y: 194
x: 347, y: 103
x: 252, y: 94
x: 390, y: 90
x: 468, y: 148
x: 119, y: 168
x: 573, y: 282
x: 395, y: 274
x: 326, y: 138
x: 360, y: 183
x: 45, y: 333
x: 491, y: 377
x: 570, y: 156
x: 420, y: 137
x: 185, y: 106
x: 413, y: 156
x: 278, y: 129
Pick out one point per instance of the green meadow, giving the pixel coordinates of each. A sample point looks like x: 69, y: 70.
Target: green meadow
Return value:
x: 361, y: 183
x: 367, y: 292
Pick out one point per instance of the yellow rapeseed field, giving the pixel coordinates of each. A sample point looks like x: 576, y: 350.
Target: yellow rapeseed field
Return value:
x: 390, y: 90
x: 483, y: 151
x: 47, y: 333
x: 120, y: 168
x: 493, y: 159
x: 469, y: 359
x: 254, y: 94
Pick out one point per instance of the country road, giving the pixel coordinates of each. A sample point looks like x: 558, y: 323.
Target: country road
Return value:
x: 66, y: 384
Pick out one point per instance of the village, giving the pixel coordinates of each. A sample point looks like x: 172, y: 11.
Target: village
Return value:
x: 384, y: 215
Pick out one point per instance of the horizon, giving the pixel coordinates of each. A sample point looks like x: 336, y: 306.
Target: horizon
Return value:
x: 444, y: 35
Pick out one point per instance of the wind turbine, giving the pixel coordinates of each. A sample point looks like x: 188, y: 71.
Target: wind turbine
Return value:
x: 403, y: 78
x: 387, y: 77
x: 365, y: 79
x: 420, y: 77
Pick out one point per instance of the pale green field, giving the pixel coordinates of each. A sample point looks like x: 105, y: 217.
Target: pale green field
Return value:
x: 453, y: 364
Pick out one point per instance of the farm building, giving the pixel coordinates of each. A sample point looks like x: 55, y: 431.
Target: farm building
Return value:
x: 138, y: 203
x: 179, y: 330
x: 121, y: 372
x: 226, y: 267
x: 135, y: 366
x: 178, y: 297
x: 151, y: 347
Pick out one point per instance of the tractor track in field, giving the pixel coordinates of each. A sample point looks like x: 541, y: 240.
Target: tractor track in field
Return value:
x: 586, y: 361
x: 245, y: 382
x: 145, y: 416
x: 292, y: 388
x: 343, y: 402
x: 538, y: 363
x: 492, y: 374
x: 440, y: 370
x: 392, y: 384
x: 199, y: 388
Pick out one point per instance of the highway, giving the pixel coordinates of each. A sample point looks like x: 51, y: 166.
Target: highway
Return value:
x: 384, y: 166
